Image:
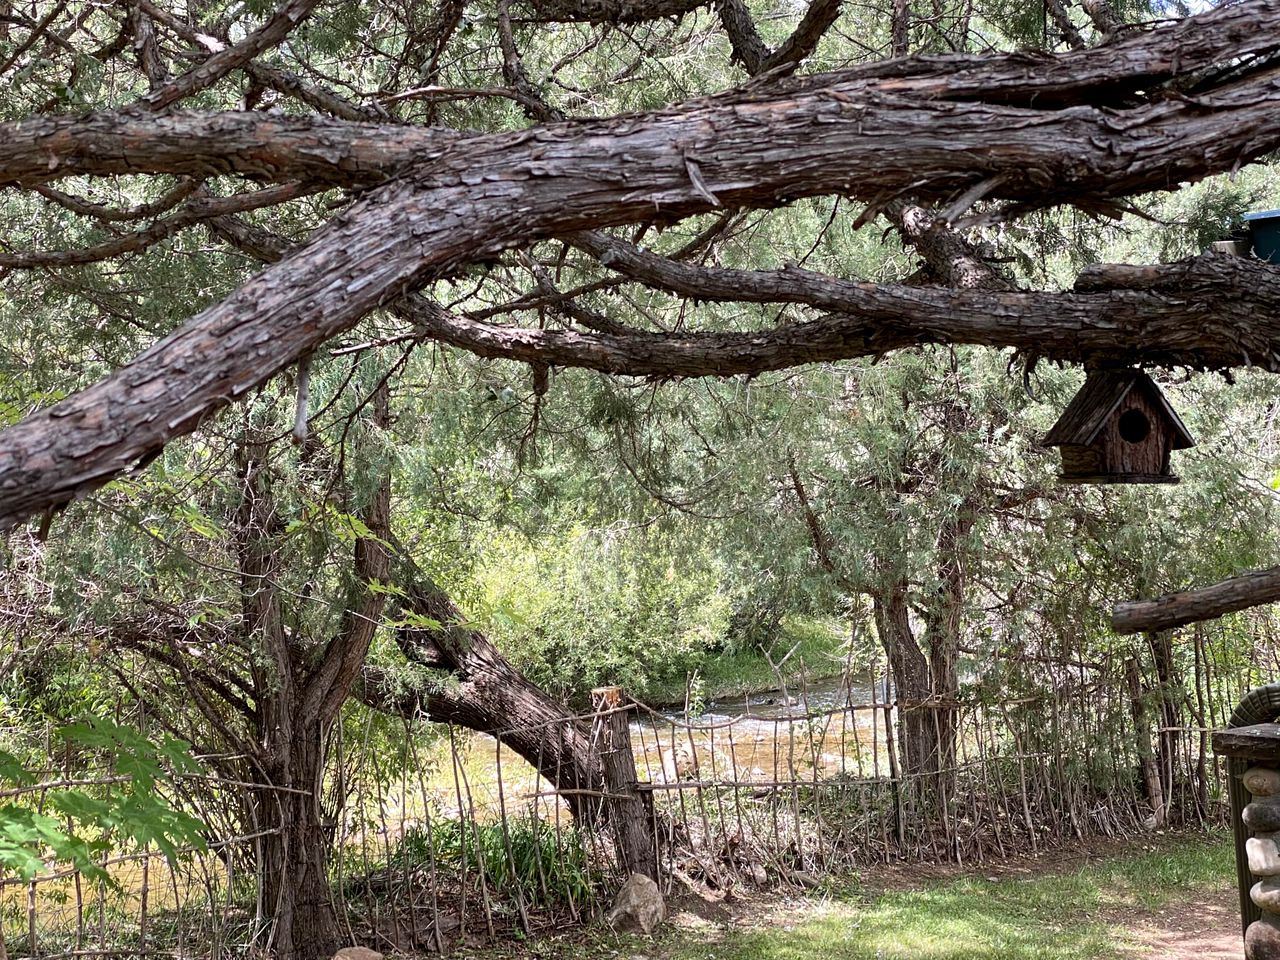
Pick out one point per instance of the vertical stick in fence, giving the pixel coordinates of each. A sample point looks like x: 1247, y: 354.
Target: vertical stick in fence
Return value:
x: 719, y: 797
x: 895, y: 772
x: 994, y: 797
x: 467, y: 812
x: 79, y: 914
x: 144, y: 897
x: 669, y: 841
x: 1022, y: 779
x: 437, y: 934
x: 102, y: 911
x: 33, y: 944
x: 737, y: 790
x: 178, y: 905
x: 536, y: 825
x: 629, y: 814
x: 506, y: 843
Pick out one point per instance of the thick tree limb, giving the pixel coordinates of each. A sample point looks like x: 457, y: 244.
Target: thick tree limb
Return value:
x: 261, y: 146
x: 926, y: 124
x: 1215, y: 323
x: 1192, y: 606
x: 486, y: 693
x: 760, y: 147
x: 744, y: 40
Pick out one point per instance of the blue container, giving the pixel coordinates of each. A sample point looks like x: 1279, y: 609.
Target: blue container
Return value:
x: 1264, y: 234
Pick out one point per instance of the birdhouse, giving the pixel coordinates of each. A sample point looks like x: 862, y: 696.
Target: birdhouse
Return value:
x: 1118, y: 429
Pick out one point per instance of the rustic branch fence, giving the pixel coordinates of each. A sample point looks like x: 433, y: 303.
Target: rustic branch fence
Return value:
x: 452, y: 836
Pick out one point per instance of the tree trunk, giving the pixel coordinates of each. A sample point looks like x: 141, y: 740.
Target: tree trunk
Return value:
x: 295, y: 860
x: 1148, y: 768
x: 942, y: 638
x: 917, y: 734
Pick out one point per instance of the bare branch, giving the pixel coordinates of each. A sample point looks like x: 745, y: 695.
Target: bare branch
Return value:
x: 1204, y: 603
x: 198, y: 210
x: 272, y: 32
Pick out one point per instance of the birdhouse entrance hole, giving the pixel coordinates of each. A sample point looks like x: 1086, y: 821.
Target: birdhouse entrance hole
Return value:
x: 1134, y: 426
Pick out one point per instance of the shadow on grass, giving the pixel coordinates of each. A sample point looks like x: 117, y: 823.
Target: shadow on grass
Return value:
x: 1068, y: 916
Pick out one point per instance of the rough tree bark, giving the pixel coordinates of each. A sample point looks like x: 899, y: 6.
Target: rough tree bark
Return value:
x: 1204, y: 603
x: 918, y: 745
x: 1082, y: 127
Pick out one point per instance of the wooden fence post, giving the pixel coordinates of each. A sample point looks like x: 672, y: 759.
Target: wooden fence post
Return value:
x: 629, y: 808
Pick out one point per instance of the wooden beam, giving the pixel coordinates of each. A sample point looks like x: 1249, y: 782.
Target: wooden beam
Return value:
x: 1261, y: 741
x: 1204, y: 603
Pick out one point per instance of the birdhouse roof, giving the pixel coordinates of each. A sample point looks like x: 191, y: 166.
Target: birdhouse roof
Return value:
x: 1097, y: 402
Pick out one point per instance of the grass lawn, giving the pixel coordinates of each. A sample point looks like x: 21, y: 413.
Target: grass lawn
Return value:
x: 1047, y: 909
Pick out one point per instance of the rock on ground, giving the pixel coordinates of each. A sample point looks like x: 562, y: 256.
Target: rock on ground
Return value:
x: 357, y: 953
x: 639, y: 906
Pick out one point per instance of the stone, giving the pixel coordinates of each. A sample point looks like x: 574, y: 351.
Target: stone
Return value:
x: 638, y: 906
x: 1261, y: 781
x: 1264, y: 855
x: 1266, y: 894
x: 1263, y: 816
x: 1262, y: 939
x: 357, y: 953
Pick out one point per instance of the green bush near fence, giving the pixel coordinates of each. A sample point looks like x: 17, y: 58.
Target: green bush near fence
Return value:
x: 527, y: 858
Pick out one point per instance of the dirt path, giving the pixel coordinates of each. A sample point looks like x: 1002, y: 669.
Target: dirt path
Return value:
x: 1208, y: 930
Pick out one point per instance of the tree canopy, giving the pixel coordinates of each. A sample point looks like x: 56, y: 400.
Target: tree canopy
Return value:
x: 1009, y: 133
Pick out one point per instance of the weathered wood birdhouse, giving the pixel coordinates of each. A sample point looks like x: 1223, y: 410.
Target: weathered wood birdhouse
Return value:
x: 1118, y: 429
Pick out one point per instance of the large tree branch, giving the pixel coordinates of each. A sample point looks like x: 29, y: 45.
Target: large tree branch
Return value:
x: 1192, y: 606
x: 261, y: 146
x: 756, y: 148
x: 1122, y: 312
x: 927, y: 125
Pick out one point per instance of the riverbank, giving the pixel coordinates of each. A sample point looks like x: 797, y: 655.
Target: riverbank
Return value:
x: 807, y: 650
x: 1168, y: 897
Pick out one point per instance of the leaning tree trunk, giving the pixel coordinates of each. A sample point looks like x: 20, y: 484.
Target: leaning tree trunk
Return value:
x: 490, y: 696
